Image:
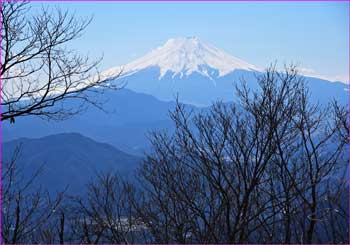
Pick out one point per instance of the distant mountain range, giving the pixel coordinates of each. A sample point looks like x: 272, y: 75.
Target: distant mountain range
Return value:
x: 67, y: 160
x: 129, y: 117
x: 199, y: 73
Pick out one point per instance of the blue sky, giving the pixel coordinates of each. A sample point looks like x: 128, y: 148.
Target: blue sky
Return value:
x: 314, y: 35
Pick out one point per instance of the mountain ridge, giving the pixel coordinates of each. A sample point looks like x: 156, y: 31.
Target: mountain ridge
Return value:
x: 198, y: 73
x: 67, y: 159
x: 183, y: 56
x: 130, y: 115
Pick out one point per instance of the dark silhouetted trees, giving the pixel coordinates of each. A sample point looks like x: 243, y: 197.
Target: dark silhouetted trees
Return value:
x: 268, y: 169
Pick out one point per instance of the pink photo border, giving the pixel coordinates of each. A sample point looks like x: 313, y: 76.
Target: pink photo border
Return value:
x: 197, y: 1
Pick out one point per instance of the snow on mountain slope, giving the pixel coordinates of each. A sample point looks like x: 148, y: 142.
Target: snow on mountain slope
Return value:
x: 199, y: 74
x: 182, y: 57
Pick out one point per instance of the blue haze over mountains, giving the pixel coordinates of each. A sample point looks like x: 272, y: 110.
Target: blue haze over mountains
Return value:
x: 116, y: 141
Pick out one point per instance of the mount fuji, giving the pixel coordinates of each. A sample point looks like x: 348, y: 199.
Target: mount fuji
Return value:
x: 198, y: 73
x: 183, y: 56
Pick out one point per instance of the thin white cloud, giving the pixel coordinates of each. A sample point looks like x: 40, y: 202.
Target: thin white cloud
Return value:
x: 312, y: 73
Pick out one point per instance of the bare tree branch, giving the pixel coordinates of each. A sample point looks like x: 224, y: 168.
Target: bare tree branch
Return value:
x: 40, y: 74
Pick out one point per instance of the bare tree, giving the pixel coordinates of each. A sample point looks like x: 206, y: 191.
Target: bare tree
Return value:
x: 322, y: 156
x: 255, y: 171
x: 104, y: 214
x: 38, y: 70
x: 306, y: 163
x: 26, y: 209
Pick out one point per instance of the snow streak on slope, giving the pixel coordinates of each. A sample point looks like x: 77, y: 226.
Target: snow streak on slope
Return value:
x: 183, y: 56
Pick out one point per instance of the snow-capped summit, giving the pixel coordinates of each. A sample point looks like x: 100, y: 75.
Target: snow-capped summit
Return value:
x: 183, y: 56
x: 194, y: 72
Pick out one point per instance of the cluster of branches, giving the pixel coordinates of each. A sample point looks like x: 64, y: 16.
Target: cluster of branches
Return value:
x: 31, y: 215
x: 270, y: 168
x: 38, y: 71
x: 26, y: 208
